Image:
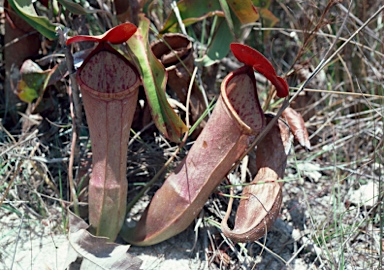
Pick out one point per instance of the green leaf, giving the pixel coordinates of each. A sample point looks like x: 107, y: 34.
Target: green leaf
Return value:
x: 227, y: 14
x: 76, y: 8
x: 33, y: 81
x: 192, y: 11
x: 262, y: 3
x: 219, y: 46
x: 27, y: 12
x: 154, y: 80
x: 26, y: 93
x: 236, y: 13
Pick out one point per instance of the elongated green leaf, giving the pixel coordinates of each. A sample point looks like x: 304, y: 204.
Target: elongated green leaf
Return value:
x: 25, y: 10
x: 154, y: 80
x: 227, y: 13
x: 192, y: 11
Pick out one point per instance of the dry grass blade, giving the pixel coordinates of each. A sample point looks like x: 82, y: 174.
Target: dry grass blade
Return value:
x: 327, y: 59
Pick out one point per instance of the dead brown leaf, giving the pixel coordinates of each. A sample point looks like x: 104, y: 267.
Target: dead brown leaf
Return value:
x: 97, y: 252
x: 297, y: 125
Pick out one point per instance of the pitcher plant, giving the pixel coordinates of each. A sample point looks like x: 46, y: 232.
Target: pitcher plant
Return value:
x: 109, y: 85
x: 234, y: 123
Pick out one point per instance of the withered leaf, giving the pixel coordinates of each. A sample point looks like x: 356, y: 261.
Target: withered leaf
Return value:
x: 97, y: 252
x: 296, y: 123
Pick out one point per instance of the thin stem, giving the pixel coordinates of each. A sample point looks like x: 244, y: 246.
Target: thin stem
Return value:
x: 10, y: 183
x: 75, y: 108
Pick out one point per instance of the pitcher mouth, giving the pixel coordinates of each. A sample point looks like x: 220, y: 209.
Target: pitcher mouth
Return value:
x: 240, y: 106
x: 91, y: 79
